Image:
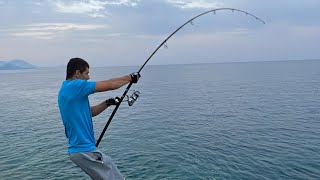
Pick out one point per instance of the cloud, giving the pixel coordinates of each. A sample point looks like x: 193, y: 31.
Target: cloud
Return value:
x: 52, y: 30
x: 94, y: 8
x: 62, y: 27
x: 202, y: 4
x: 49, y: 31
x: 37, y: 35
x: 37, y: 3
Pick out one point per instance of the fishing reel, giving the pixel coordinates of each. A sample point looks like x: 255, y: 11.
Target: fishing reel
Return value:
x: 131, y: 99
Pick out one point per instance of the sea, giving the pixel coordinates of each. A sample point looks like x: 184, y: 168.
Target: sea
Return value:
x: 245, y: 120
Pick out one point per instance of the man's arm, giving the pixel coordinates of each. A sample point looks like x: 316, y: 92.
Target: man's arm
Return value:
x: 112, y: 84
x: 116, y: 83
x: 96, y: 110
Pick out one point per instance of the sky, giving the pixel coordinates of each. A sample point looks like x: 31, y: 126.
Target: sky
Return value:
x: 48, y: 33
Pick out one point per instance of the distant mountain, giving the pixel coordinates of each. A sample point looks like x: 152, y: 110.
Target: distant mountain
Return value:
x: 15, y: 64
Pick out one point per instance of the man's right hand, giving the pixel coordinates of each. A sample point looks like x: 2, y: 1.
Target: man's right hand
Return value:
x: 113, y: 101
x: 135, y: 77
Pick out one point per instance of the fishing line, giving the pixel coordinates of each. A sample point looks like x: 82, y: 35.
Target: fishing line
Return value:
x: 164, y: 43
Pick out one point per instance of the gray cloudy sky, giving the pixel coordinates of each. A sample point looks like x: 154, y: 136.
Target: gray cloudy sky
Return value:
x: 126, y: 32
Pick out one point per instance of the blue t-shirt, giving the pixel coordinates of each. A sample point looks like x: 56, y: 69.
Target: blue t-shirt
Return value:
x: 76, y: 114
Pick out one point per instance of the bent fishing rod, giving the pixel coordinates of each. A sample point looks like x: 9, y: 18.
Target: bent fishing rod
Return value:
x: 164, y: 43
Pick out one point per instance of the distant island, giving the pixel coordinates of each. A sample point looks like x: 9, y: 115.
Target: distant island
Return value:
x: 15, y: 64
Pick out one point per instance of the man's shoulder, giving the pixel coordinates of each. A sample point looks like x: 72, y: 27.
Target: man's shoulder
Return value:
x: 75, y: 82
x: 83, y: 86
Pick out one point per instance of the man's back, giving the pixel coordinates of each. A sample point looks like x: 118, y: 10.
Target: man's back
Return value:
x: 76, y: 114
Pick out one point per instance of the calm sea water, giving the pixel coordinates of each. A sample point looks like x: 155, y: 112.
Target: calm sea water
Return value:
x: 258, y: 120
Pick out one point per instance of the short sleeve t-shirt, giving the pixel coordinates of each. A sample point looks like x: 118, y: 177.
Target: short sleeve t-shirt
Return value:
x: 76, y: 114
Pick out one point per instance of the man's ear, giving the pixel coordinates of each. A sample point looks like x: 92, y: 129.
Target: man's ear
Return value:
x: 78, y: 73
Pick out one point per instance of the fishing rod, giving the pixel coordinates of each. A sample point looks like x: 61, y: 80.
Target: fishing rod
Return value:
x: 164, y: 43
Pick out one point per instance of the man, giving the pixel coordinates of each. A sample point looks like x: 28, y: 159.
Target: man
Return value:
x: 77, y: 114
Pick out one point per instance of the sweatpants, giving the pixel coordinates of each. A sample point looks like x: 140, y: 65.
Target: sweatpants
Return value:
x: 97, y: 165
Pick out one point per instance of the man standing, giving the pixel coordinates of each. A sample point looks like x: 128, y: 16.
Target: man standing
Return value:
x: 77, y: 114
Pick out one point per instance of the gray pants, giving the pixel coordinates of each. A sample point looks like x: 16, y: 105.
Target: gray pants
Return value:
x: 97, y: 165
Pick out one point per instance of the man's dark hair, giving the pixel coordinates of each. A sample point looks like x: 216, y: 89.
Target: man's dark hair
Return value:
x: 76, y: 64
